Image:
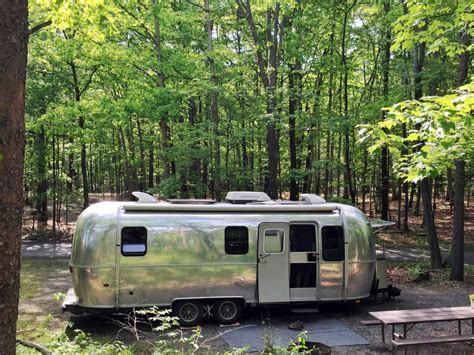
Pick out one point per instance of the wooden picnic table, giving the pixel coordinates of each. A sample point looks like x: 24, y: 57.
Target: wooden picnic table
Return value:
x: 409, y: 318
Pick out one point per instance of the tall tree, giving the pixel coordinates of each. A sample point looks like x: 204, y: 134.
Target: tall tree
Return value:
x: 267, y: 69
x: 457, y: 268
x: 13, y: 44
x: 349, y: 190
x: 213, y: 95
x: 385, y: 174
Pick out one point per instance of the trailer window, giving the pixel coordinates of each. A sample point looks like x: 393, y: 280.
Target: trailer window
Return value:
x: 333, y: 243
x: 273, y: 242
x: 302, y: 238
x: 236, y: 240
x: 134, y: 241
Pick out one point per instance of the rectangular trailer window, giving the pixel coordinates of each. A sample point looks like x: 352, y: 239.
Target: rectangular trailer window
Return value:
x: 236, y: 240
x: 302, y: 238
x: 134, y: 241
x: 333, y: 243
x: 273, y: 242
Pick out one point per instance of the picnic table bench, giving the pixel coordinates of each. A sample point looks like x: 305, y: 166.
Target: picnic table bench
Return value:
x: 409, y: 318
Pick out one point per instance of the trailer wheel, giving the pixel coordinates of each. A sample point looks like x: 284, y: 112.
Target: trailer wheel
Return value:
x: 228, y: 311
x: 189, y: 313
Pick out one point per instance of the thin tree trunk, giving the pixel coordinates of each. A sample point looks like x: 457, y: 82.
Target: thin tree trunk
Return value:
x: 292, y: 132
x: 457, y: 268
x: 143, y: 177
x: 213, y: 96
x: 164, y: 129
x: 385, y: 174
x: 430, y: 228
x: 151, y: 160
x: 348, y: 184
x: 42, y: 185
x: 53, y: 147
x: 406, y: 208
x: 269, y: 81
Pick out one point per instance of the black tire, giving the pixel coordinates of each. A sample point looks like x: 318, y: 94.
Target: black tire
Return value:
x: 189, y: 313
x: 228, y: 311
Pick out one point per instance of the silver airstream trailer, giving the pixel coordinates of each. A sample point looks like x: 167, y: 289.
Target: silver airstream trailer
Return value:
x: 202, y: 257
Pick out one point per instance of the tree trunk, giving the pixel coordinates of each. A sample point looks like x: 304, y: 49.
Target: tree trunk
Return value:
x: 425, y: 186
x: 85, y: 181
x: 151, y: 160
x: 143, y: 177
x: 292, y: 132
x: 406, y: 208
x: 13, y: 44
x: 457, y: 269
x: 449, y: 185
x: 268, y: 76
x: 213, y: 96
x: 348, y: 185
x: 384, y: 169
x: 164, y: 129
x: 42, y: 185
x: 430, y: 228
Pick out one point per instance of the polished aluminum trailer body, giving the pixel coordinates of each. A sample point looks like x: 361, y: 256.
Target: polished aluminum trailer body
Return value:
x: 185, y: 255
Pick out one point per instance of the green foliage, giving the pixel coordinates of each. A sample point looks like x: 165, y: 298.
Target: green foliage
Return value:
x: 144, y: 99
x: 438, y: 131
x: 82, y: 343
x: 436, y: 24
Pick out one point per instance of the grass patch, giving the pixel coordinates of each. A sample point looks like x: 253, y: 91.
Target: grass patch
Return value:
x: 40, y: 317
x: 29, y: 285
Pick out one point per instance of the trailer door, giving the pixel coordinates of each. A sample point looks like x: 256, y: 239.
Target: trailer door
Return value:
x: 332, y: 263
x: 273, y: 263
x: 303, y: 262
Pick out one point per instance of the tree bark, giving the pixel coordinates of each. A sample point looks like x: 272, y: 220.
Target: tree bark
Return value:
x: 42, y: 184
x: 78, y: 91
x: 430, y: 228
x: 292, y: 132
x: 457, y: 268
x: 143, y: 178
x: 13, y: 44
x: 384, y: 169
x: 457, y: 249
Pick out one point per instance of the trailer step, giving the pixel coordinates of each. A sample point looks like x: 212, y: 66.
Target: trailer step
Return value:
x: 305, y: 310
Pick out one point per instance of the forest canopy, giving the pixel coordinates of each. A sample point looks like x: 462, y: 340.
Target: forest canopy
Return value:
x: 195, y: 98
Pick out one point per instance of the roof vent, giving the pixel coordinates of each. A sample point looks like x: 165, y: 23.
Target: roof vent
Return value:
x: 243, y: 197
x: 143, y: 197
x: 312, y: 199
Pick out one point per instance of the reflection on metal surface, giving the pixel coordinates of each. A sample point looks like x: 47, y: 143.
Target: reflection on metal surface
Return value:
x: 186, y: 256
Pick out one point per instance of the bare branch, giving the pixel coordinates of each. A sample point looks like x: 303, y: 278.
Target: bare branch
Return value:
x: 197, y: 5
x: 39, y: 27
x: 89, y: 80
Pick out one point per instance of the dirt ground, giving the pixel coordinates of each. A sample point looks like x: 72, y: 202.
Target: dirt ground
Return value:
x: 41, y: 317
